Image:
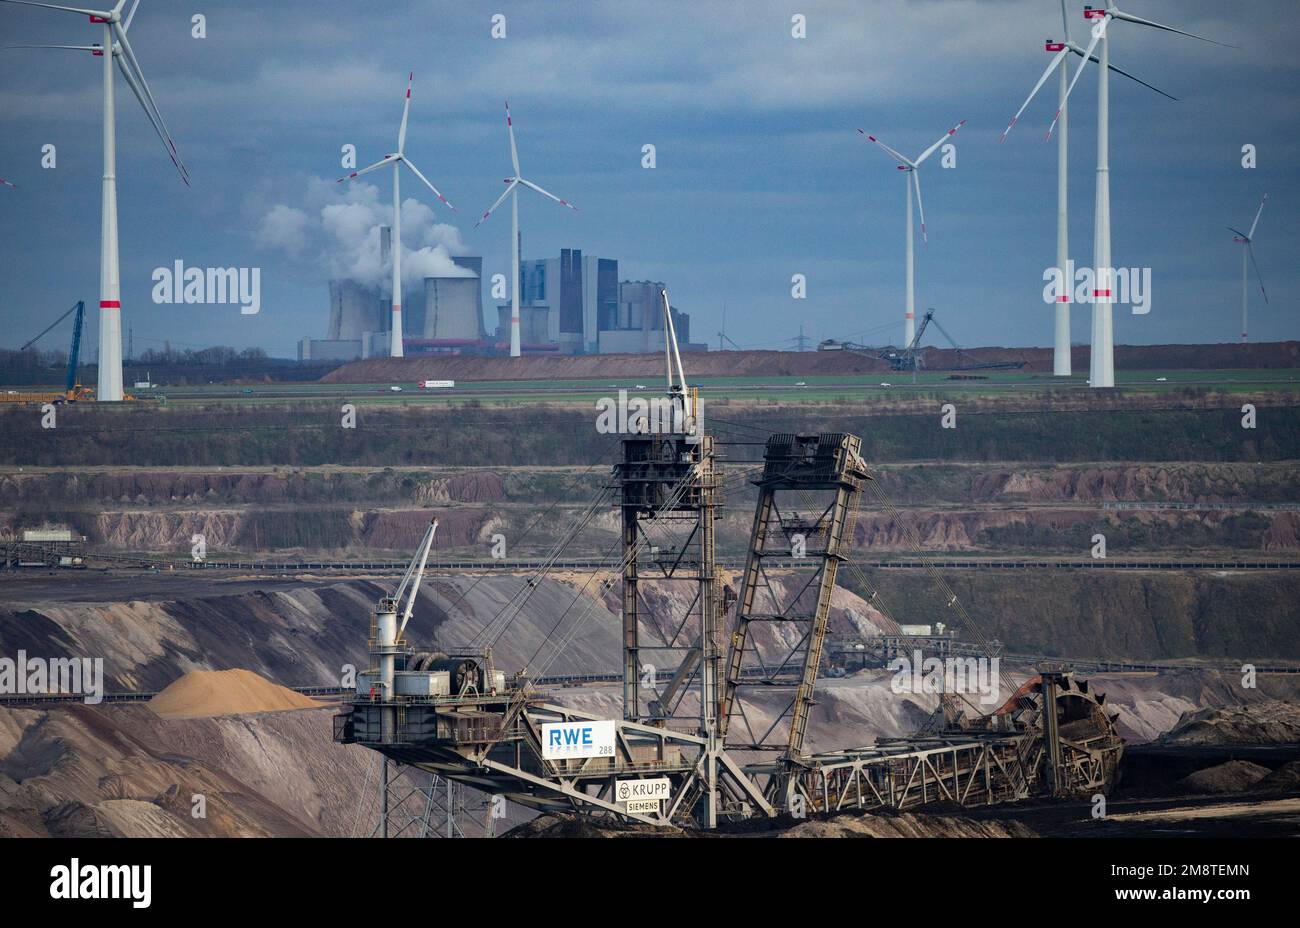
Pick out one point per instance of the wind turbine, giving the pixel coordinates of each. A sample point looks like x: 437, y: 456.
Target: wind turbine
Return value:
x: 512, y: 190
x: 397, y: 159
x: 1247, y: 239
x: 1061, y: 366
x: 910, y: 166
x: 1102, y: 356
x: 7, y: 184
x: 110, y: 293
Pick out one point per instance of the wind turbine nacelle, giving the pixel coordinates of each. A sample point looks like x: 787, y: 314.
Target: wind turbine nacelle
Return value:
x: 1090, y: 13
x: 1050, y: 46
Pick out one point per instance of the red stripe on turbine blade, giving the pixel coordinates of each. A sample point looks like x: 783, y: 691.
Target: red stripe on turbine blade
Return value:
x: 1101, y: 293
x: 110, y: 304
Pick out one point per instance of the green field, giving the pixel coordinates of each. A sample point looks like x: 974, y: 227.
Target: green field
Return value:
x: 789, y: 389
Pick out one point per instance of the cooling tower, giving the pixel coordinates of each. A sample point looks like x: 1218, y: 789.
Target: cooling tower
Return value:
x: 354, y: 309
x: 533, y: 324
x: 451, y: 309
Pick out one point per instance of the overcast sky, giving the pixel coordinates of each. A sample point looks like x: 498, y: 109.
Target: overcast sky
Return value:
x: 760, y: 172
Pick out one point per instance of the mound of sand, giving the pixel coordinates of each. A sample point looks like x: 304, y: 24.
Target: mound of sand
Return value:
x: 1236, y: 776
x: 1267, y: 722
x: 225, y: 692
x: 1285, y: 779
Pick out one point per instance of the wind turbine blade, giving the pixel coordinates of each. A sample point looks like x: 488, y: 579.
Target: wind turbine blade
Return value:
x: 1258, y: 213
x: 135, y: 89
x: 511, y: 186
x: 130, y: 16
x: 406, y: 111
x: 916, y: 179
x: 1130, y: 18
x: 943, y: 138
x: 888, y: 149
x: 388, y: 159
x: 129, y: 54
x: 1258, y: 275
x: 1065, y: 22
x: 78, y: 48
x: 407, y: 161
x: 1052, y: 66
x: 510, y: 128
x: 1098, y: 33
x: 529, y: 184
x: 1244, y: 236
x: 1138, y: 80
x: 98, y: 14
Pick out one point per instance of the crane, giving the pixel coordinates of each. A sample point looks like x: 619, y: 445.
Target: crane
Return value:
x: 72, y: 389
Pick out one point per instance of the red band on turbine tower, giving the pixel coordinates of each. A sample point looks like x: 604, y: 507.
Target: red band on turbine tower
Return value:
x: 1101, y: 293
x: 110, y: 304
x: 1063, y: 298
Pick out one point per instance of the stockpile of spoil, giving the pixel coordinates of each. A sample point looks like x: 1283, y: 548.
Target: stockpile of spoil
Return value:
x: 1270, y: 721
x: 1236, y: 776
x: 205, y: 693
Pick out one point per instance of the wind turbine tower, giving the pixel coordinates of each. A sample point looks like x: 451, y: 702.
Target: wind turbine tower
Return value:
x: 913, y: 178
x: 1247, y: 239
x: 1102, y: 355
x: 110, y: 295
x: 513, y: 183
x: 397, y: 159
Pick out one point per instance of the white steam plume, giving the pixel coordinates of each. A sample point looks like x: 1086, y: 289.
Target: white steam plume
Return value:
x: 339, y: 231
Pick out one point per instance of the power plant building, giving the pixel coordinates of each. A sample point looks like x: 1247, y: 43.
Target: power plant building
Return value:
x: 580, y: 306
x: 573, y: 304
